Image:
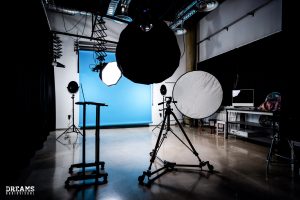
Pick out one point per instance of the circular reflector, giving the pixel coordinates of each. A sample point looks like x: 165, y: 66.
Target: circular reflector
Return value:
x: 198, y: 94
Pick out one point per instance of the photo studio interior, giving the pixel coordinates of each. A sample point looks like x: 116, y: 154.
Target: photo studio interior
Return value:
x: 151, y: 99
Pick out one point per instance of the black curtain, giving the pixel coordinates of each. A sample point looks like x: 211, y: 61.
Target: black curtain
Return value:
x: 29, y: 93
x: 290, y: 102
x: 253, y: 66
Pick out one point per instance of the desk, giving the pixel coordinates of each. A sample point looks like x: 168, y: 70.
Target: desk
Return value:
x: 245, y: 127
x: 96, y: 174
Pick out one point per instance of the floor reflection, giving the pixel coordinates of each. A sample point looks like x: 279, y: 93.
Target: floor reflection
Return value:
x: 239, y: 167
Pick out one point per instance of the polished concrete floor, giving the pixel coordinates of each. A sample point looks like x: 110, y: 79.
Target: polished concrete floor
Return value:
x: 239, y: 168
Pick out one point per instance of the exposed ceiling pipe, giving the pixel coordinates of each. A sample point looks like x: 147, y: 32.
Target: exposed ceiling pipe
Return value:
x: 113, y: 5
x: 51, y: 6
x: 45, y: 12
x: 82, y: 36
x: 191, y: 9
x: 185, y: 14
x: 188, y: 8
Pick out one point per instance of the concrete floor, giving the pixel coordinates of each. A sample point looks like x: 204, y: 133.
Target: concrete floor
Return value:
x: 239, y: 168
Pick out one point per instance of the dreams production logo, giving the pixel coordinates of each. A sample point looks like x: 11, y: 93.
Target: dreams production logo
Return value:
x: 19, y: 190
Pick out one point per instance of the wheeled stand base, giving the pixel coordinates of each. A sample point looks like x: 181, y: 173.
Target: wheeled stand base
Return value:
x: 169, y: 166
x: 87, y: 175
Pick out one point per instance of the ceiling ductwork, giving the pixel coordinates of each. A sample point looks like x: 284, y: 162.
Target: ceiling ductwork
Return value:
x: 124, y: 11
x: 50, y: 5
x: 113, y: 5
x: 123, y: 15
x: 193, y: 8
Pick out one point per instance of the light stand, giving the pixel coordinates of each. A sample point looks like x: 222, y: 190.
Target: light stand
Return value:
x: 163, y: 113
x: 163, y: 91
x: 169, y: 166
x: 71, y: 128
x: 72, y: 88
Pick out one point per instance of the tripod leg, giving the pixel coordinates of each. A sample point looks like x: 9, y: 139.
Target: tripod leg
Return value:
x: 270, y: 154
x: 153, y: 154
x: 157, y: 126
x: 185, y: 135
x: 155, y: 150
x: 66, y: 131
x: 210, y: 167
x: 78, y: 131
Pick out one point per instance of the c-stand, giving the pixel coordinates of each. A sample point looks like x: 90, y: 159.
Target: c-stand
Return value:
x: 71, y: 128
x: 169, y: 166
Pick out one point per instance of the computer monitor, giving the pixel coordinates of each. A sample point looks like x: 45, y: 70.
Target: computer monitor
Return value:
x: 243, y: 98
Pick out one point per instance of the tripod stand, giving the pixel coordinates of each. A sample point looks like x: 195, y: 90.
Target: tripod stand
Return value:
x: 169, y: 166
x: 71, y: 128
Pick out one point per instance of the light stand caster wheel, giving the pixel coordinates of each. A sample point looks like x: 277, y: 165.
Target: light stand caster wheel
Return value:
x: 141, y: 179
x: 210, y: 167
x: 67, y: 184
x: 102, y: 167
x: 105, y: 180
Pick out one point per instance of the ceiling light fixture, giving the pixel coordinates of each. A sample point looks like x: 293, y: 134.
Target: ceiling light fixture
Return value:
x: 207, y: 6
x: 180, y: 30
x: 146, y: 20
x: 146, y: 27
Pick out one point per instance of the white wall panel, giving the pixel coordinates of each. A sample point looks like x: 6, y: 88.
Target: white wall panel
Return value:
x: 62, y: 78
x: 265, y: 21
x: 169, y: 83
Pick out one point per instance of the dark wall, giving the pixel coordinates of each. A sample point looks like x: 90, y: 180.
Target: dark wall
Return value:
x: 29, y: 101
x: 253, y: 66
x: 269, y: 64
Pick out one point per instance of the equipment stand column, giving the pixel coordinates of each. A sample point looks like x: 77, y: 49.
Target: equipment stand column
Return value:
x: 86, y: 174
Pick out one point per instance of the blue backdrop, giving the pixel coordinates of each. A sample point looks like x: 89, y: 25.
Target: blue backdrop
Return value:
x: 128, y: 103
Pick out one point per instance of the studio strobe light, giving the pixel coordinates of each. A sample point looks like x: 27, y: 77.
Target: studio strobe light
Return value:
x: 147, y: 55
x: 72, y: 88
x: 110, y: 74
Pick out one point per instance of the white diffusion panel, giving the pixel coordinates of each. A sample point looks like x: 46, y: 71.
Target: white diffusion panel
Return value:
x: 198, y: 94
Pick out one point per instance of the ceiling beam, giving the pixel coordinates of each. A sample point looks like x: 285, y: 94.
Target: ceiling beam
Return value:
x: 82, y: 36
